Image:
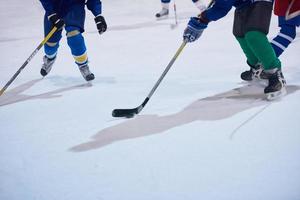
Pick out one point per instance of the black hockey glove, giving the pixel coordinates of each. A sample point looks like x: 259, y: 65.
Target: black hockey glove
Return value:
x: 101, y: 24
x: 56, y: 21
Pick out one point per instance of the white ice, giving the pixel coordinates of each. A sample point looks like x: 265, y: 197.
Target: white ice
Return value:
x: 204, y: 134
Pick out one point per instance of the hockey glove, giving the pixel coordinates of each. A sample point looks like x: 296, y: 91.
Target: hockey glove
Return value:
x: 194, y: 29
x: 56, y: 21
x: 101, y: 24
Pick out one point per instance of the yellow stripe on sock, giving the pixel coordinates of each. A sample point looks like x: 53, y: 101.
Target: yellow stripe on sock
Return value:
x: 81, y: 59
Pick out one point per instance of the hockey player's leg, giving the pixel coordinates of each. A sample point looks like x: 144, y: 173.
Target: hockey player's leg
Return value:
x: 164, y: 11
x: 286, y: 35
x: 252, y: 23
x: 256, y: 70
x: 77, y: 45
x: 75, y: 27
x: 50, y: 48
x: 259, y: 43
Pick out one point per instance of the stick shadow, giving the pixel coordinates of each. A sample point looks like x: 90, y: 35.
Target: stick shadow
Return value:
x: 15, y: 95
x: 212, y: 108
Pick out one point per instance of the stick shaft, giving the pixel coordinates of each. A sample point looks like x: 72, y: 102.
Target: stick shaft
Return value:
x: 28, y: 60
x: 167, y: 69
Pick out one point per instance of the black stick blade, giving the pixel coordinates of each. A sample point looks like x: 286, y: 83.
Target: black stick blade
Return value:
x: 125, y: 112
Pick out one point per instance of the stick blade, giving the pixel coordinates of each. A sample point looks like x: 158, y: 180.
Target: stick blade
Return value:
x: 128, y: 113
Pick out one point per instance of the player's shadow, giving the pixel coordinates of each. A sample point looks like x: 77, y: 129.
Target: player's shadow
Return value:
x: 212, y: 108
x: 16, y: 95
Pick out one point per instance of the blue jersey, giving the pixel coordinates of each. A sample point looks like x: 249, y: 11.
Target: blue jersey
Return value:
x: 62, y: 7
x: 221, y: 7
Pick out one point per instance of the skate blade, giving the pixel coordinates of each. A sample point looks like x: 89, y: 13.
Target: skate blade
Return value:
x: 162, y: 18
x: 276, y: 95
x: 89, y: 83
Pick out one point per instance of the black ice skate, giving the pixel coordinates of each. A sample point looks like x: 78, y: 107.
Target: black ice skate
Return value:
x: 47, y: 65
x: 276, y: 87
x: 86, y: 73
x: 162, y: 14
x: 255, y: 72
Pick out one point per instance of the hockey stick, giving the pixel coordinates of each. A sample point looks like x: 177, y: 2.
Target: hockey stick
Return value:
x: 175, y: 16
x: 28, y: 60
x: 211, y: 3
x: 131, y: 112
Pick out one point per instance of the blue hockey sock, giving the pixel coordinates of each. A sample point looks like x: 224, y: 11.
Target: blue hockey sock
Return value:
x: 77, y: 46
x: 286, y: 35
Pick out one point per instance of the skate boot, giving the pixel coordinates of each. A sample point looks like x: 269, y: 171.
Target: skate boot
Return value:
x: 86, y: 73
x: 255, y: 72
x: 162, y: 14
x: 276, y: 87
x: 47, y: 65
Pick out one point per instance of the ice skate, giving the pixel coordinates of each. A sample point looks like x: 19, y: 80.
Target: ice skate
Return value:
x: 86, y: 73
x: 276, y: 87
x: 47, y: 65
x: 163, y: 14
x: 255, y: 72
